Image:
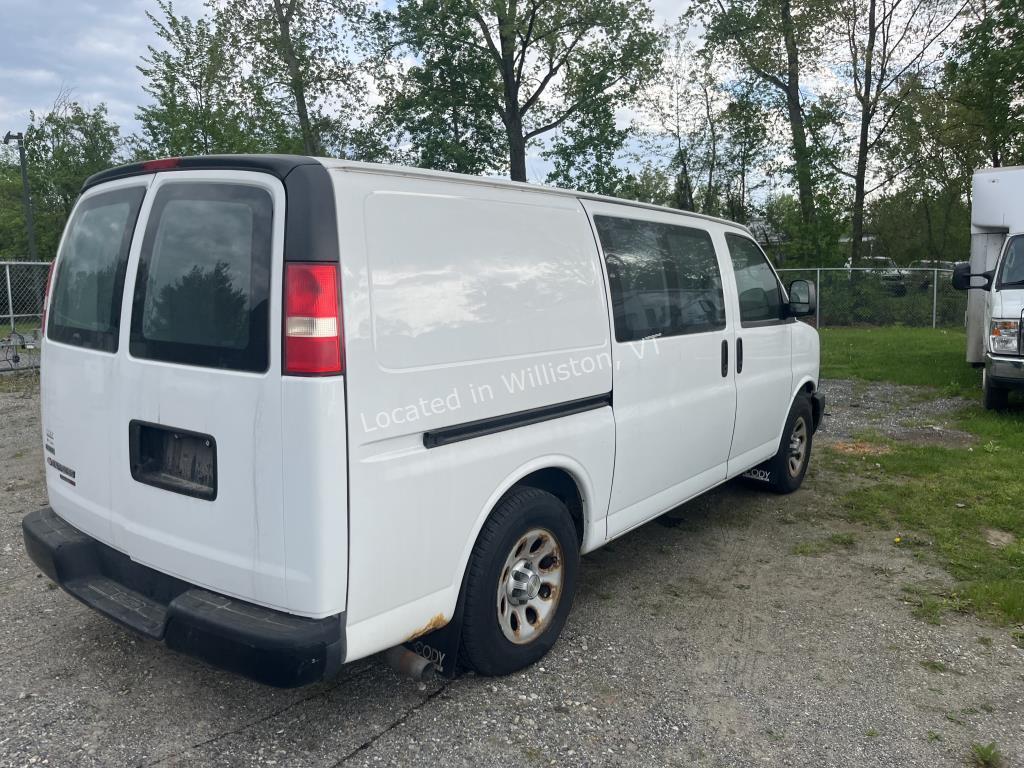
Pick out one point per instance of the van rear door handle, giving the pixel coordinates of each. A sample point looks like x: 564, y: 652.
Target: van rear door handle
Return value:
x: 725, y: 357
x: 739, y: 355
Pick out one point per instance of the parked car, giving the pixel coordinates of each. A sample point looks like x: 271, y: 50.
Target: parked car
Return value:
x: 920, y: 273
x: 880, y: 269
x: 995, y: 277
x: 299, y: 411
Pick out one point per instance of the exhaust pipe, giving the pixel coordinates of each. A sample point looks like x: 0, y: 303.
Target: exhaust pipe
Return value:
x: 407, y: 663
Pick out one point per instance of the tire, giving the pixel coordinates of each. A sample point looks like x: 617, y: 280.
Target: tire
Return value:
x: 520, y: 582
x: 993, y: 397
x: 784, y: 475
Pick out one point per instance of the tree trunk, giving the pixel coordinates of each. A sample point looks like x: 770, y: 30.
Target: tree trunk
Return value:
x: 513, y: 117
x: 866, y: 108
x: 801, y: 157
x: 310, y: 139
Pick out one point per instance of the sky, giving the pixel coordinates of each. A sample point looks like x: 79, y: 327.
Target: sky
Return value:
x: 91, y: 48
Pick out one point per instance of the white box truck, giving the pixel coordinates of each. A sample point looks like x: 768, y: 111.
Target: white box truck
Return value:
x: 299, y: 411
x: 994, y: 279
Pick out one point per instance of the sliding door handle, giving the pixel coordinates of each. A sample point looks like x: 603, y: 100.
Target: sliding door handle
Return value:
x: 739, y: 355
x: 725, y: 357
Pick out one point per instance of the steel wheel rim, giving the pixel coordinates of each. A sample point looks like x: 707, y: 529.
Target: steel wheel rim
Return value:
x: 530, y: 586
x: 797, y: 447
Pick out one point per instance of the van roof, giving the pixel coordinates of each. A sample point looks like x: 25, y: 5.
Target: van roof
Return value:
x: 281, y: 165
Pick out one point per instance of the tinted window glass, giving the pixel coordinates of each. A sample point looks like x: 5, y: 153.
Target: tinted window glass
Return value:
x: 759, y: 290
x: 664, y: 278
x: 203, y: 288
x: 86, y: 305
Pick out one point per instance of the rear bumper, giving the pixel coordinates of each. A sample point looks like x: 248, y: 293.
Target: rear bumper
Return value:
x: 268, y: 646
x: 1006, y: 371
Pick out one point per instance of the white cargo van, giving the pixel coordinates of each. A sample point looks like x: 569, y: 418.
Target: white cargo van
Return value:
x: 299, y: 411
x: 996, y: 275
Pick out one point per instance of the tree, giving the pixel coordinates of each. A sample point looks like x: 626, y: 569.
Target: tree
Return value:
x: 202, y: 102
x: 538, y: 64
x: 887, y: 42
x: 984, y: 78
x: 683, y: 109
x: 300, y: 50
x: 774, y: 41
x: 585, y: 152
x: 441, y: 110
x: 63, y: 147
x: 746, y: 123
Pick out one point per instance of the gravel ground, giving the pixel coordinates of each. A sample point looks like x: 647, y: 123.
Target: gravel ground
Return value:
x: 698, y: 640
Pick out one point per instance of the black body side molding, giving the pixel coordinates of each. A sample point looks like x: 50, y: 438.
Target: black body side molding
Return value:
x: 470, y: 429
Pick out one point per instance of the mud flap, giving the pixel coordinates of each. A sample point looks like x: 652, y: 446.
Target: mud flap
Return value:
x: 441, y: 647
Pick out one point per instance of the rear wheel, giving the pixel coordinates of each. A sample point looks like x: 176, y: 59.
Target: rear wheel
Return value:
x: 994, y: 397
x: 520, y: 585
x: 786, y: 470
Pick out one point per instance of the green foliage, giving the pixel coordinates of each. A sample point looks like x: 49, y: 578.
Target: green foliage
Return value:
x: 203, y: 103
x: 301, y: 61
x: 64, y: 147
x: 528, y: 69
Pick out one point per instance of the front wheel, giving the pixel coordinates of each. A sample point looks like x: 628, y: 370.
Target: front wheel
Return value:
x: 521, y: 581
x: 786, y: 470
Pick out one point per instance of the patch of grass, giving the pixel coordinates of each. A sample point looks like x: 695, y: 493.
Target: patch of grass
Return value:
x: 871, y: 733
x: 985, y: 641
x: 942, y: 499
x: 934, y: 666
x: 823, y: 546
x: 934, y: 736
x: 986, y: 756
x: 925, y: 356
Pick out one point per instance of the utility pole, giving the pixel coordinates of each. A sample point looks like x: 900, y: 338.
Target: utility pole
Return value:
x: 26, y: 195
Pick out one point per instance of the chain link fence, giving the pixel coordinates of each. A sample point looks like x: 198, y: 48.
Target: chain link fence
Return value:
x: 22, y: 289
x: 860, y: 296
x: 888, y: 296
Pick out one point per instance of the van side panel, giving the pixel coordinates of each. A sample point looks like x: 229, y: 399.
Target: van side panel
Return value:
x: 462, y: 302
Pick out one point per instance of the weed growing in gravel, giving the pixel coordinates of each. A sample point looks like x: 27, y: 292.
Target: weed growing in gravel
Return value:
x: 823, y: 546
x: 934, y: 666
x: 986, y: 755
x: 934, y: 736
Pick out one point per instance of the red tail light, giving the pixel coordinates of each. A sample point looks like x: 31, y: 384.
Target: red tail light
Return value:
x: 312, y: 319
x: 46, y: 295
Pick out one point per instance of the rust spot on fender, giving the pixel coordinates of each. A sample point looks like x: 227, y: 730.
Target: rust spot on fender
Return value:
x: 435, y: 623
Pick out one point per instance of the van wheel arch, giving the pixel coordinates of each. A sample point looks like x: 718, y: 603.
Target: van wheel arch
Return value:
x: 562, y: 485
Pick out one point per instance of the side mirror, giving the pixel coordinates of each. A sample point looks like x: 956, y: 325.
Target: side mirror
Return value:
x: 962, y: 278
x: 803, y: 298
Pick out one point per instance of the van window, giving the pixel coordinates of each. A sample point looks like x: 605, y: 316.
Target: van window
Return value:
x: 1011, y: 271
x: 758, y: 287
x: 203, y: 289
x: 86, y: 307
x: 664, y: 278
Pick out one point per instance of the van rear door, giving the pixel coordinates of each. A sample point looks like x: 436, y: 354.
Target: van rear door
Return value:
x: 166, y: 407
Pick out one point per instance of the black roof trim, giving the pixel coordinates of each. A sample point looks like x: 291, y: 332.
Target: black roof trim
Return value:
x: 277, y: 165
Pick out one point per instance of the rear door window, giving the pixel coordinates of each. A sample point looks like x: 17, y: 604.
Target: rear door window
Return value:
x: 85, y: 310
x: 202, y: 295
